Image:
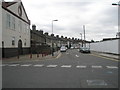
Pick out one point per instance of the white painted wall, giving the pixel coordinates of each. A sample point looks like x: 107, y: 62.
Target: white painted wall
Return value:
x: 0, y: 44
x: 9, y: 33
x: 0, y: 24
x: 110, y: 46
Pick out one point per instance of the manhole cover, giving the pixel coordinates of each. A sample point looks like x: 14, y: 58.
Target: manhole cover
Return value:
x: 96, y: 82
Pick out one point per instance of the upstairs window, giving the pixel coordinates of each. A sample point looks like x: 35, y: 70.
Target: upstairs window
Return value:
x: 13, y: 23
x: 8, y: 21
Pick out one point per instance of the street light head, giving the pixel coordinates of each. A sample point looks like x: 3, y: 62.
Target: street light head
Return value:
x: 55, y: 20
x: 114, y: 4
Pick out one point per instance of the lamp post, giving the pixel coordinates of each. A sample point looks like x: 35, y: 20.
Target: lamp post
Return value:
x: 84, y: 35
x: 52, y: 38
x: 81, y: 39
x: 118, y: 4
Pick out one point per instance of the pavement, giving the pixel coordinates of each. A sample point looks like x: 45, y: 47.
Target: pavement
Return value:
x: 29, y: 57
x: 113, y: 56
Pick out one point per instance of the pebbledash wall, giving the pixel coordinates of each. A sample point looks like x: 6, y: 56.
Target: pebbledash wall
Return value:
x: 109, y: 46
x: 15, y: 29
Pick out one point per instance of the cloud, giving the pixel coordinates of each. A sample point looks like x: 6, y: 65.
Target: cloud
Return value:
x: 99, y: 17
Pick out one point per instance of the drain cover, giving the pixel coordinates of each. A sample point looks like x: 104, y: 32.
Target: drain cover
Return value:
x: 96, y: 83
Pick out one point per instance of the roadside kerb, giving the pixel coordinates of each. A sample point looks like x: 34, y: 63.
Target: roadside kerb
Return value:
x: 35, y: 57
x: 113, y: 56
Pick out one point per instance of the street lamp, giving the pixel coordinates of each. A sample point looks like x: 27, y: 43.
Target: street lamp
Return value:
x: 52, y: 38
x: 84, y: 35
x: 118, y: 4
x: 81, y: 39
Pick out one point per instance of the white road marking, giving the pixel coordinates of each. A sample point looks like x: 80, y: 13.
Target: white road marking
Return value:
x: 96, y: 66
x: 66, y: 66
x: 52, y: 66
x: 25, y: 65
x: 13, y: 65
x: 3, y: 65
x: 81, y: 66
x: 112, y: 67
x: 76, y: 55
x: 38, y: 65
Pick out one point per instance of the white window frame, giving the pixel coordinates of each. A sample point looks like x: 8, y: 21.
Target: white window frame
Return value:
x: 13, y: 41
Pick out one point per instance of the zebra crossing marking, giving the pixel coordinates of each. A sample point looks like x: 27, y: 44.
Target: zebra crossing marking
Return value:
x: 112, y: 67
x: 81, y: 66
x: 52, y: 66
x: 96, y: 66
x: 66, y: 66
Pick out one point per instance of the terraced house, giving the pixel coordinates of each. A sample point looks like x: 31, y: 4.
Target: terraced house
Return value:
x: 15, y: 29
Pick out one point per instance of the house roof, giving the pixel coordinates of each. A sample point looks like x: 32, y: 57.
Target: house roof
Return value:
x: 5, y: 5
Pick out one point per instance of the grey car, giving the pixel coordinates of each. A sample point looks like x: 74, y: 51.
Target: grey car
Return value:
x: 84, y: 50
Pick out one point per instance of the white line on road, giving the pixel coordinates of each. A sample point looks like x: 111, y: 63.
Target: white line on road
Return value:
x: 81, y: 66
x: 52, y: 66
x: 112, y: 67
x: 96, y: 66
x: 38, y: 65
x: 13, y: 65
x: 1, y: 65
x: 66, y: 66
x: 76, y: 55
x: 25, y: 65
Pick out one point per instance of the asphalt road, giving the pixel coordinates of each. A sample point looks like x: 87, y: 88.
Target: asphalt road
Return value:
x: 70, y: 70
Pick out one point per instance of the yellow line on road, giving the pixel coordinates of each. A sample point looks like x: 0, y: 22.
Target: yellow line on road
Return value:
x: 105, y: 57
x: 58, y: 56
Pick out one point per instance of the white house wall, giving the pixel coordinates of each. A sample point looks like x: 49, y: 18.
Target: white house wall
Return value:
x: 9, y: 33
x: 0, y: 25
x: 110, y: 46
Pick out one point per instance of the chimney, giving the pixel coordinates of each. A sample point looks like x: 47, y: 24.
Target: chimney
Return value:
x: 33, y: 27
x: 57, y: 36
x: 65, y: 37
x: 46, y: 33
x: 52, y: 35
x: 61, y: 36
x: 41, y: 32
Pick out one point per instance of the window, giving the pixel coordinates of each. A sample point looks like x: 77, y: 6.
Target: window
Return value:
x: 20, y: 26
x: 13, y: 41
x: 25, y: 43
x: 13, y: 23
x: 27, y: 29
x: 8, y: 21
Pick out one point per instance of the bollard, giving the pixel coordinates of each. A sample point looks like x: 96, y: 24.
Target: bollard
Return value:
x: 18, y: 57
x: 37, y: 55
x: 30, y: 56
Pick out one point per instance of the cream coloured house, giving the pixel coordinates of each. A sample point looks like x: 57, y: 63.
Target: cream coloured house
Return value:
x: 15, y: 29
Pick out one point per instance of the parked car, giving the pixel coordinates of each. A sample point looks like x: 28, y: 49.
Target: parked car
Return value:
x: 72, y: 47
x: 63, y: 49
x: 84, y: 50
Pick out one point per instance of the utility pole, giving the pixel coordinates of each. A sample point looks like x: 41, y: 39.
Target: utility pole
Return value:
x: 84, y: 35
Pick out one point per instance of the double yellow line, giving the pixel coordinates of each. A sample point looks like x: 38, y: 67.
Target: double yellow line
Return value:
x: 104, y: 57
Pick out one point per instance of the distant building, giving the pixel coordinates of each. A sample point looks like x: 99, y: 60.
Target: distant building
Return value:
x: 15, y: 29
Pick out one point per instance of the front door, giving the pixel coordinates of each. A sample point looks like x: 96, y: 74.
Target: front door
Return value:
x: 20, y: 51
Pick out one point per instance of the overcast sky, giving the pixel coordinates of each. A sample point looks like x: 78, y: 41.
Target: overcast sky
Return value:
x: 99, y: 17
